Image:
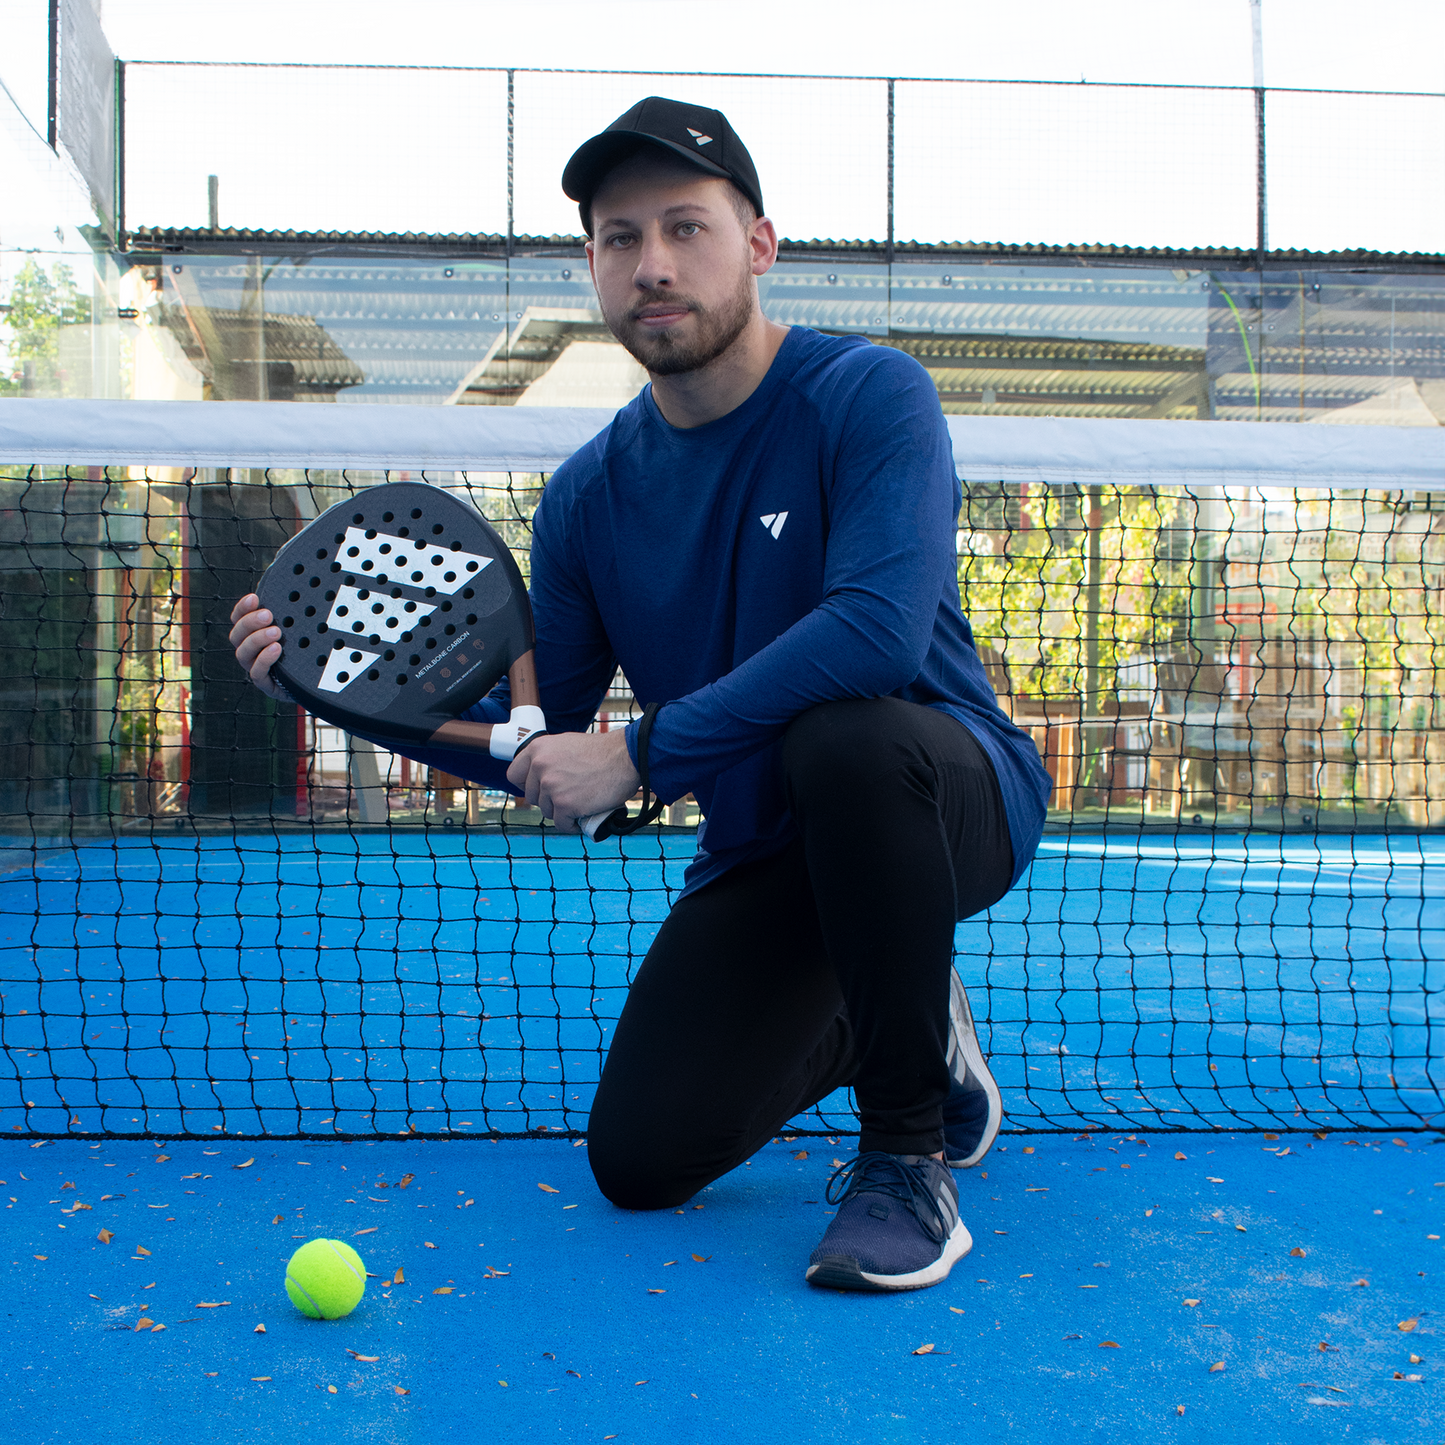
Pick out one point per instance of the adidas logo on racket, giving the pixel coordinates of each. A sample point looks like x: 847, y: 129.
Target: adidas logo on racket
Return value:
x: 400, y: 609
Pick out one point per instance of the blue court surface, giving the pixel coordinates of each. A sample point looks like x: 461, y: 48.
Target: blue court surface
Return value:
x: 1270, y: 994
x: 1315, y: 1266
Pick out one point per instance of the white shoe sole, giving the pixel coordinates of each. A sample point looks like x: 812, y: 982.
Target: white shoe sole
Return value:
x: 963, y: 1044
x: 839, y: 1272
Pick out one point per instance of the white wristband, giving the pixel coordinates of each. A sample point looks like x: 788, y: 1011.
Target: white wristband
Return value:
x: 507, y: 737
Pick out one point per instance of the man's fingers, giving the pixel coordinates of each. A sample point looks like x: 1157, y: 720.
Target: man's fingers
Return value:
x: 519, y: 768
x: 266, y: 659
x: 249, y: 603
x: 249, y: 623
x: 249, y: 649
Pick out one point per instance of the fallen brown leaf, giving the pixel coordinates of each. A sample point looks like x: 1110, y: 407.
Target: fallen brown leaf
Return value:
x: 400, y: 1277
x: 443, y: 1289
x: 702, y: 1258
x: 163, y: 1158
x: 1108, y: 1344
x: 105, y: 1236
x: 365, y: 1359
x: 371, y: 1230
x: 1178, y: 1155
x: 246, y: 1165
x: 141, y: 1249
x: 924, y: 1350
x: 212, y: 1304
x: 1214, y: 1368
x: 144, y: 1323
x: 801, y: 1154
x: 405, y: 1180
x: 278, y: 1219
x: 955, y: 1309
x: 331, y: 1389
x: 547, y: 1188
x: 657, y: 1291
x: 41, y: 1256
x: 400, y: 1391
x: 1179, y: 1409
x: 1405, y: 1326
x: 1191, y: 1302
x: 259, y: 1330
x: 1271, y: 1136
x: 156, y: 1329
x: 427, y: 1244
x: 1417, y: 1360
x: 1296, y: 1253
x: 1029, y: 1149
x: 1362, y: 1284
x: 259, y: 1379
x: 1241, y: 1229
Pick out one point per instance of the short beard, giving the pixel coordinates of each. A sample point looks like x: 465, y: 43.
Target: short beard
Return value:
x: 664, y: 354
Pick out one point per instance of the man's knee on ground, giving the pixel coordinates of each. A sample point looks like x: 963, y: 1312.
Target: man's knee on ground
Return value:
x: 636, y: 1176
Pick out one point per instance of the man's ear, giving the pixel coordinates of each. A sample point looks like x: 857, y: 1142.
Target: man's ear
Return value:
x: 763, y: 243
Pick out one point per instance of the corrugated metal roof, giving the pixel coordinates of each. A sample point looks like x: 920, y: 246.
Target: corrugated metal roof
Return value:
x: 199, y: 240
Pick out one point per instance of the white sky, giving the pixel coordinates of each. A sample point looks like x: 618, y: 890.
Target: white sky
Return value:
x: 327, y: 149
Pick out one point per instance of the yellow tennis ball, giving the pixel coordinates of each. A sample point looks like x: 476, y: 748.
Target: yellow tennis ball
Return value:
x: 325, y: 1279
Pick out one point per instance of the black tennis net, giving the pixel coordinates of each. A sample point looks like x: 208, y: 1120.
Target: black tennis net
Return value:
x: 218, y: 914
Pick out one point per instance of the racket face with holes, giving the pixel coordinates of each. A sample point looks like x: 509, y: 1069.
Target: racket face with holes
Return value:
x: 398, y: 609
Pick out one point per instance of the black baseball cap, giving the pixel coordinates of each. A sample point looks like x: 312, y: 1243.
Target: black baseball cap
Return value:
x: 698, y: 134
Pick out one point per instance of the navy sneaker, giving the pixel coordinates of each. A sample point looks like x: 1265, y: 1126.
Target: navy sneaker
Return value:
x: 897, y: 1225
x: 973, y: 1110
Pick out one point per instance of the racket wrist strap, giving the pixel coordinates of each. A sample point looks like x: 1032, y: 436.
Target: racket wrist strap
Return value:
x: 651, y: 806
x: 524, y: 723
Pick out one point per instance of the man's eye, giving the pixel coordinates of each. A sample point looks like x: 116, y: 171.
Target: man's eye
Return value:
x: 688, y: 228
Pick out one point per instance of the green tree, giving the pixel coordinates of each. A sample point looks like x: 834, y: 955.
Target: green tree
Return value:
x: 1025, y: 563
x: 41, y: 304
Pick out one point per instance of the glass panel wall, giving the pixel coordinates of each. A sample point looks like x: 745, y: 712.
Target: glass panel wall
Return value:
x: 1016, y: 339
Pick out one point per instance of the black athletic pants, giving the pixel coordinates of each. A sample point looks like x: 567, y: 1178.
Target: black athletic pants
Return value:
x: 825, y: 965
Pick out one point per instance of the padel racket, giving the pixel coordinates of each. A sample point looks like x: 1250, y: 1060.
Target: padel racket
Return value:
x: 401, y: 608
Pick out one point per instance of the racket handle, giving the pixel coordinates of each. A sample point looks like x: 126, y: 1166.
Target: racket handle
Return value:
x: 602, y: 825
x: 508, y: 737
x: 500, y: 740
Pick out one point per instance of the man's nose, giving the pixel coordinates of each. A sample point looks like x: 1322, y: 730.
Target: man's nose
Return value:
x: 654, y: 264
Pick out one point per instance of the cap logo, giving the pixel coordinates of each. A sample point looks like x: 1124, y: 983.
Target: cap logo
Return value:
x: 699, y: 137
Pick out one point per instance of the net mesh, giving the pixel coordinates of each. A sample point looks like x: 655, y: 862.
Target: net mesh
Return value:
x: 219, y: 915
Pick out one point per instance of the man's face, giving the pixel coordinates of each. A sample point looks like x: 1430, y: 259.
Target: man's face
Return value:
x: 672, y: 262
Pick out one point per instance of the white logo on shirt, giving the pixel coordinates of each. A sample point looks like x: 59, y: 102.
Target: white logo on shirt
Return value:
x: 774, y: 523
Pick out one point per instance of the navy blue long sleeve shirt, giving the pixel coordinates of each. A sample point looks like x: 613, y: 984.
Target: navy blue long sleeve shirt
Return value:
x: 798, y: 550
